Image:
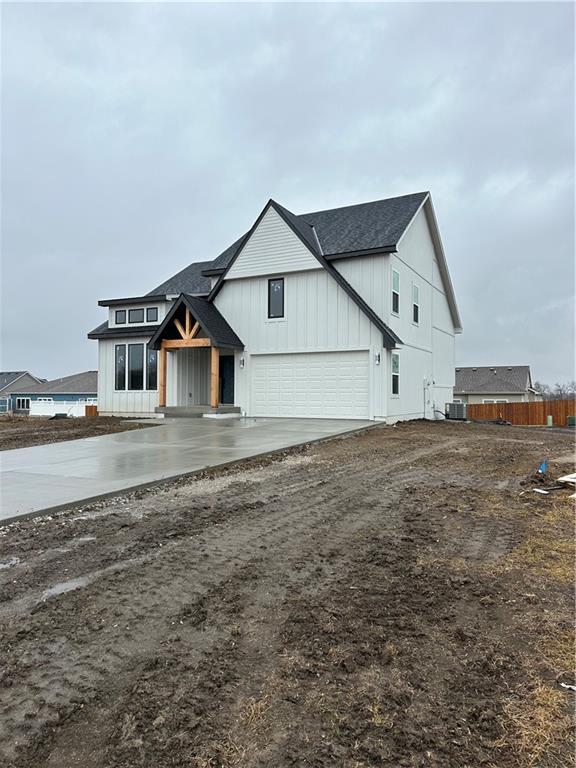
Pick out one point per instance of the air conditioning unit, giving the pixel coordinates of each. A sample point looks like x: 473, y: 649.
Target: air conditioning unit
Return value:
x: 456, y: 411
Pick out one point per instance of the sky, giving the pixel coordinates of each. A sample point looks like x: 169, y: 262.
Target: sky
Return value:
x: 138, y: 138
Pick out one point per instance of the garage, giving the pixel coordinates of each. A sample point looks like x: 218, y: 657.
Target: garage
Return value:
x: 331, y: 385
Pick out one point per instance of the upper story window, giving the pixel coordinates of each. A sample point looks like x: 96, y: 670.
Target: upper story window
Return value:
x: 395, y: 292
x: 276, y: 297
x: 135, y: 315
x: 415, y: 304
x: 152, y: 315
x: 120, y: 316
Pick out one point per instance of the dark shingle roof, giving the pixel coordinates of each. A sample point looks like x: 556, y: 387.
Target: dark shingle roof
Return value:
x: 368, y: 226
x: 209, y: 317
x: 104, y: 332
x: 85, y: 383
x: 188, y: 280
x: 498, y: 379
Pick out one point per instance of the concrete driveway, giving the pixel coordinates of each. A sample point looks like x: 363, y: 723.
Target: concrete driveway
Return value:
x: 47, y: 477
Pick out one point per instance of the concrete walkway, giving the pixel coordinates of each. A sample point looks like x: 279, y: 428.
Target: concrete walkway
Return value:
x: 47, y: 477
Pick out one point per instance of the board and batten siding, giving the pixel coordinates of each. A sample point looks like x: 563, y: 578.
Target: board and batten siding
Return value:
x: 188, y: 377
x: 125, y: 402
x: 273, y: 248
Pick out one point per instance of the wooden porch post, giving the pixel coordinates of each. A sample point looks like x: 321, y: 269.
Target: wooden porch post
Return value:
x: 162, y: 378
x: 214, y: 376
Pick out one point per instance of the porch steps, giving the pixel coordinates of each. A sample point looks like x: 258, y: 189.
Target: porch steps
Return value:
x: 195, y: 411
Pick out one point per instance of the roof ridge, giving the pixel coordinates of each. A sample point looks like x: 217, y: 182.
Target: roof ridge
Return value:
x: 360, y: 205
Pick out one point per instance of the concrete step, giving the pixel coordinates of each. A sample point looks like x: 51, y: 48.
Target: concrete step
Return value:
x: 195, y: 411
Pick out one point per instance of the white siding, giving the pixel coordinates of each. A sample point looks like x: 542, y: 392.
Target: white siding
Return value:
x: 273, y: 248
x: 163, y: 308
x: 124, y: 403
x: 189, y: 377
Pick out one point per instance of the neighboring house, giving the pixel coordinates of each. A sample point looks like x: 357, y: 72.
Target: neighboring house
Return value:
x: 69, y: 394
x: 497, y: 384
x: 9, y: 381
x: 344, y: 313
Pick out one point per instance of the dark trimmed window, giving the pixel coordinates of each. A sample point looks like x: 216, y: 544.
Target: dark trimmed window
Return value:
x: 395, y: 292
x: 151, y: 369
x: 395, y: 374
x: 136, y: 316
x: 152, y: 315
x: 120, y: 316
x: 120, y: 367
x: 415, y: 304
x: 276, y: 297
x: 135, y: 366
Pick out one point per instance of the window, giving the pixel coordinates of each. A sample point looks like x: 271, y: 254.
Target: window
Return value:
x: 120, y: 367
x: 415, y: 304
x: 45, y: 399
x: 456, y: 400
x: 501, y: 401
x: 151, y: 369
x: 136, y: 316
x: 22, y: 403
x: 395, y: 292
x: 276, y: 297
x: 120, y: 316
x: 152, y: 315
x: 486, y: 402
x: 136, y: 366
x: 395, y: 374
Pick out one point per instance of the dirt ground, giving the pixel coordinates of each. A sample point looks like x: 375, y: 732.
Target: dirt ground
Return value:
x: 396, y: 598
x: 24, y: 431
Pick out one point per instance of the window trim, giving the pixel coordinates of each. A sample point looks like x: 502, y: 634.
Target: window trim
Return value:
x: 151, y: 309
x: 276, y: 318
x: 20, y: 400
x: 128, y: 382
x: 119, y: 312
x: 415, y: 304
x: 136, y: 322
x: 116, y: 348
x: 393, y: 292
x: 394, y: 376
x: 147, y: 361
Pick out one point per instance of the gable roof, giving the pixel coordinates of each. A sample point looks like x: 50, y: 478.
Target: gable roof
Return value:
x: 305, y: 233
x: 85, y: 383
x: 209, y: 317
x: 11, y: 377
x: 499, y: 380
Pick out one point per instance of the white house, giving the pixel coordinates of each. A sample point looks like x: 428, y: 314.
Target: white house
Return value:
x: 344, y: 313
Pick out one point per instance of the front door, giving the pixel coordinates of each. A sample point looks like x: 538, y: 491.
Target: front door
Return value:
x: 227, y: 379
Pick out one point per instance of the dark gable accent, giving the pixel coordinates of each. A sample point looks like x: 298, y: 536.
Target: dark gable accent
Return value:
x: 306, y: 234
x: 209, y: 317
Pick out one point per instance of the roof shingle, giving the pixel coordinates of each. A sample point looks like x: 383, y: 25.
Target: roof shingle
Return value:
x: 497, y: 380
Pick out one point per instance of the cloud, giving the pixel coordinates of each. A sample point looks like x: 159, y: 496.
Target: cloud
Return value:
x: 140, y: 137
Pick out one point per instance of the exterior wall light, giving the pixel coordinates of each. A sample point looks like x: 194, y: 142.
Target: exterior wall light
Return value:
x: 242, y: 362
x: 377, y: 358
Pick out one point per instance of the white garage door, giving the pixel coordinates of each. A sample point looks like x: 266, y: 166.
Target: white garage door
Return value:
x: 316, y: 385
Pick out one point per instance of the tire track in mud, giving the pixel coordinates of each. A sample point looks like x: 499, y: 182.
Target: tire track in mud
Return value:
x: 146, y: 594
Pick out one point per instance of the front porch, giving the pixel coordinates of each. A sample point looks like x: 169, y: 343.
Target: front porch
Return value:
x: 196, y: 359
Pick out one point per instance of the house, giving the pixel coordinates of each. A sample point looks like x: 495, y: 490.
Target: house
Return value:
x: 69, y: 395
x: 9, y: 381
x: 496, y: 384
x: 342, y: 313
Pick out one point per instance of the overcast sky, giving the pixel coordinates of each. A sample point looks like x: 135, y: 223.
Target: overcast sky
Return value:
x: 137, y: 138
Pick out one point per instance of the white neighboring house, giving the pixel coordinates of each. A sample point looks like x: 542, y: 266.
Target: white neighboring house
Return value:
x: 494, y: 384
x: 343, y: 313
x: 69, y: 395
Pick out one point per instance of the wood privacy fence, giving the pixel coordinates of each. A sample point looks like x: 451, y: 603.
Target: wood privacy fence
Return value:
x: 525, y: 413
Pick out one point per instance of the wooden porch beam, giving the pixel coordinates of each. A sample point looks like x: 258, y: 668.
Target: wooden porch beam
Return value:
x: 188, y: 324
x: 181, y: 330
x: 179, y: 343
x: 195, y: 330
x: 214, y: 377
x: 162, y: 378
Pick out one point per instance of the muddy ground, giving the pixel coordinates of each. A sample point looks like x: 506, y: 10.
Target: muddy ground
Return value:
x: 24, y: 431
x: 395, y: 598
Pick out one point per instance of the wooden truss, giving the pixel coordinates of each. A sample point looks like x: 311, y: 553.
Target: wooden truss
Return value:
x: 188, y: 338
